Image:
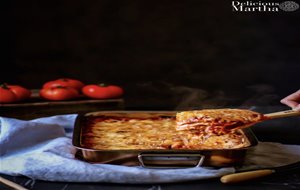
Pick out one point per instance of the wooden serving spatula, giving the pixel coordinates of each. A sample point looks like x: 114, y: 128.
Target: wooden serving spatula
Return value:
x: 222, y: 121
x: 274, y: 115
x: 286, y: 113
x: 263, y: 117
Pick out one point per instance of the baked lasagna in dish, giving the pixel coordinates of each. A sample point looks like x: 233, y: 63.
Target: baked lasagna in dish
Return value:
x: 152, y: 131
x: 216, y: 121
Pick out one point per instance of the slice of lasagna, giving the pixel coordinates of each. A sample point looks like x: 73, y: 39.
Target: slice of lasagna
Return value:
x: 216, y: 121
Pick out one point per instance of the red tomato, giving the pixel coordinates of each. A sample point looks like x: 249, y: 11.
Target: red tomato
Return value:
x: 74, y: 83
x: 7, y: 96
x: 102, y: 91
x: 21, y: 92
x: 116, y: 91
x: 13, y: 93
x: 59, y: 93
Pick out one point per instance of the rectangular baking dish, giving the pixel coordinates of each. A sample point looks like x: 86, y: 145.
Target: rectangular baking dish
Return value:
x: 160, y: 158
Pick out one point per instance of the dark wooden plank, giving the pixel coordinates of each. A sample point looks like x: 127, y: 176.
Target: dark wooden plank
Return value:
x: 36, y: 107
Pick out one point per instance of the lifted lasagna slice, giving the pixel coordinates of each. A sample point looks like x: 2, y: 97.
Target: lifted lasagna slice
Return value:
x: 216, y: 121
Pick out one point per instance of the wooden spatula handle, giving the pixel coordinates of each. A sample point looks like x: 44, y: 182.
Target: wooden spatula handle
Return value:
x: 11, y: 184
x: 286, y: 113
x: 244, y: 176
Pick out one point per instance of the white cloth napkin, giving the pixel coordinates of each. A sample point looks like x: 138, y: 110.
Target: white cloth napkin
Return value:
x: 42, y: 149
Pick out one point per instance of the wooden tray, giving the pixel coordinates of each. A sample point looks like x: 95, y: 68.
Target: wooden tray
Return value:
x: 36, y: 107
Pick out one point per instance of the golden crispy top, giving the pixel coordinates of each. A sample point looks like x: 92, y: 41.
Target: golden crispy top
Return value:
x: 216, y: 120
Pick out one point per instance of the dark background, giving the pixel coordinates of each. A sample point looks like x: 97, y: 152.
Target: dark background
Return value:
x: 167, y: 54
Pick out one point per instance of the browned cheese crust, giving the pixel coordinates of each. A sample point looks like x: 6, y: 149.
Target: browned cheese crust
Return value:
x: 216, y: 121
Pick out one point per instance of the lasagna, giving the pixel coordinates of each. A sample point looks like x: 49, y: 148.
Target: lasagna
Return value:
x: 150, y: 131
x: 216, y: 121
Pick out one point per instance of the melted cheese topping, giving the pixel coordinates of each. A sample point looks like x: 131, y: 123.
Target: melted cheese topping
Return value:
x: 151, y: 132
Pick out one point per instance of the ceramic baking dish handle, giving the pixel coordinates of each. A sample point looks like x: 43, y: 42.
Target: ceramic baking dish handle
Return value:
x: 174, y: 160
